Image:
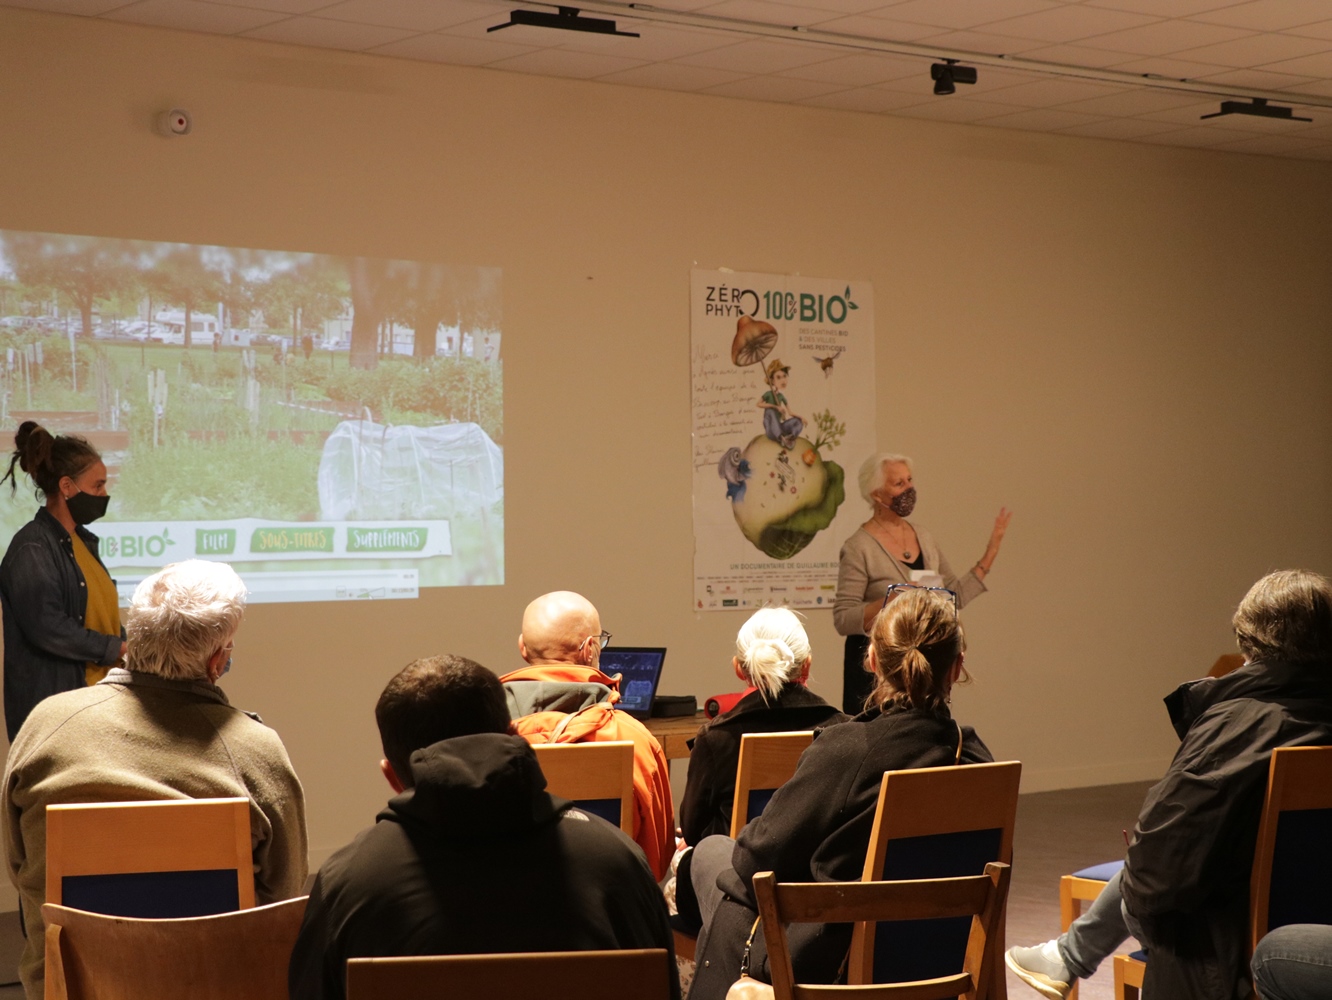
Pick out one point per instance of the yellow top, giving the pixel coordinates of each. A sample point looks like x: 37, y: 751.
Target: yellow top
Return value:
x: 103, y: 614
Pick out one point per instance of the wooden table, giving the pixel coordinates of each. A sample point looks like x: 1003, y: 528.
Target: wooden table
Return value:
x: 675, y: 733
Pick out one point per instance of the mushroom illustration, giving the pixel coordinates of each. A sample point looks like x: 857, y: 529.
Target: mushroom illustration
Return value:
x: 754, y: 340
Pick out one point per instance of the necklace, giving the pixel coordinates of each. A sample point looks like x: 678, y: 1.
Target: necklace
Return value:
x: 902, y: 543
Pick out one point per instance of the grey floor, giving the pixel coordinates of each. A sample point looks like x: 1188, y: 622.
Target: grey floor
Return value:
x: 1057, y: 833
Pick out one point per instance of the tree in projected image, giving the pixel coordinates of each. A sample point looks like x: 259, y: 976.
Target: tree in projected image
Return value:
x: 85, y: 269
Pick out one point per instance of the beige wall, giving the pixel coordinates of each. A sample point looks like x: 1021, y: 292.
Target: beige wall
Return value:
x: 1129, y: 345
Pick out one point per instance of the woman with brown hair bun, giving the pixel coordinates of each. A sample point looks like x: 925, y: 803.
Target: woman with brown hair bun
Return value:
x: 61, y: 609
x: 817, y: 826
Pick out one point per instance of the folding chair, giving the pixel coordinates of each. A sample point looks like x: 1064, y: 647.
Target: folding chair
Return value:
x: 640, y: 974
x: 1292, y: 867
x: 596, y: 777
x: 767, y: 761
x: 935, y: 822
x: 159, y: 859
x: 90, y: 956
x: 979, y: 900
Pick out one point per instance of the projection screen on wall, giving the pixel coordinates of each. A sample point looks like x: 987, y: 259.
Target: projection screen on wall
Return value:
x: 331, y: 426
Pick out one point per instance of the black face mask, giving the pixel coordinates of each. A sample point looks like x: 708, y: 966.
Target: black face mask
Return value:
x: 86, y: 508
x: 904, y: 503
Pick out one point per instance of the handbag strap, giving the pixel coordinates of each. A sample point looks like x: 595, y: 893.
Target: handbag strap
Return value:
x: 749, y: 944
x: 957, y: 757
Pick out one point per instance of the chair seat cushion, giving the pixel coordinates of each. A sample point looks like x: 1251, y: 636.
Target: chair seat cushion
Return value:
x: 1100, y: 873
x: 1138, y: 956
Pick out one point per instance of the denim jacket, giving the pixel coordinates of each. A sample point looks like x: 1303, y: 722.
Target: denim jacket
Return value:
x: 45, y: 598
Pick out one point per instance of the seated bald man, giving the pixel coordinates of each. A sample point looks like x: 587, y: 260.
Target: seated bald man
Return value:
x: 562, y: 697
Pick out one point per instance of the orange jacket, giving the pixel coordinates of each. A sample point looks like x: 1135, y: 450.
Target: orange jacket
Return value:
x: 654, y: 817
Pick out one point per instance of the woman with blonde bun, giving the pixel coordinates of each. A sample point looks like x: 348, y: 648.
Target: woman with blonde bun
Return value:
x: 817, y: 826
x: 61, y: 609
x: 772, y: 657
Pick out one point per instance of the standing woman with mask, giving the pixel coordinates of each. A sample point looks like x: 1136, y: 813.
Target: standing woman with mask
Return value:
x: 883, y: 551
x: 61, y: 609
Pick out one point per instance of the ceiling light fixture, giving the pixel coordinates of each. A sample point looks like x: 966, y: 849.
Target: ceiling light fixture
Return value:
x: 567, y: 19
x: 1259, y: 109
x: 948, y: 73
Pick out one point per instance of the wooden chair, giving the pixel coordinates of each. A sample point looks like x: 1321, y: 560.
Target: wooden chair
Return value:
x: 641, y: 974
x: 978, y: 899
x: 1291, y: 865
x: 1085, y: 885
x: 596, y: 777
x: 160, y: 859
x: 222, y: 957
x: 767, y: 761
x: 935, y: 822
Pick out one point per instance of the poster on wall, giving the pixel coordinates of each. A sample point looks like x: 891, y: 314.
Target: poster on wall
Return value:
x: 782, y: 372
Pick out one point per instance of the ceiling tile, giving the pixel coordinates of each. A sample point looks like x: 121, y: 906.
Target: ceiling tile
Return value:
x: 760, y: 56
x: 191, y: 15
x: 1165, y: 37
x: 1269, y: 15
x: 282, y: 6
x: 1167, y: 66
x: 835, y: 8
x: 952, y: 110
x: 1323, y: 29
x: 1271, y: 145
x: 1184, y: 114
x: 327, y: 34
x: 859, y: 70
x: 875, y: 100
x: 414, y: 15
x: 562, y: 62
x: 768, y: 12
x: 1041, y: 119
x: 1137, y: 101
x: 981, y: 41
x: 1195, y: 137
x: 1056, y: 90
x: 451, y: 49
x: 1163, y: 8
x: 1320, y: 88
x: 1069, y: 23
x: 84, y: 7
x: 672, y: 76
x: 1256, y: 79
x: 1320, y: 153
x: 1120, y: 128
x: 868, y: 26
x: 773, y: 88
x: 963, y: 13
x: 1255, y: 50
x: 1317, y: 65
x: 657, y: 41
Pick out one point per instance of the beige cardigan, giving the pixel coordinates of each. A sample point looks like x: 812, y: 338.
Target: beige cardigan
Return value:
x: 139, y: 736
x: 865, y: 570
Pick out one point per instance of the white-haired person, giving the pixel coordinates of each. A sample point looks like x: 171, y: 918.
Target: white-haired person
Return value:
x: 159, y: 728
x: 772, y: 657
x: 884, y: 551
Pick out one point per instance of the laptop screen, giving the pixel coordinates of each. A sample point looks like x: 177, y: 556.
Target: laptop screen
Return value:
x: 639, y: 668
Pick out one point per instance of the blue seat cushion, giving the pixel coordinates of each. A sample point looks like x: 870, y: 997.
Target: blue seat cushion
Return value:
x: 758, y: 801
x: 607, y: 809
x: 154, y: 895
x: 1101, y: 873
x: 1138, y: 956
x: 1301, y: 869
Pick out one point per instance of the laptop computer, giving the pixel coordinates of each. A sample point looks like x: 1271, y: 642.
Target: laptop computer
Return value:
x: 639, y: 668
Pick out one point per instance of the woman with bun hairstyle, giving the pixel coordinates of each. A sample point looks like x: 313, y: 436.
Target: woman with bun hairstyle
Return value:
x: 772, y: 657
x: 817, y: 826
x: 61, y: 610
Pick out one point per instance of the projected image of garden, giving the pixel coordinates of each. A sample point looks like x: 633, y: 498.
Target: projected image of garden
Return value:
x: 331, y: 426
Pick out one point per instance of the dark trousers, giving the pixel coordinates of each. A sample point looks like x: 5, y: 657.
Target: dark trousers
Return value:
x: 857, y: 682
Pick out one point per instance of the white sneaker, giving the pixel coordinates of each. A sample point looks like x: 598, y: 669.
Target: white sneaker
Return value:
x: 1042, y: 968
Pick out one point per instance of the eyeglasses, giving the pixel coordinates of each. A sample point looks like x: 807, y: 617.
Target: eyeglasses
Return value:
x: 602, y: 639
x: 896, y: 588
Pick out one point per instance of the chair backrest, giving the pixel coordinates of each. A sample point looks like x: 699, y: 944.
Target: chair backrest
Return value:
x: 168, y: 858
x: 637, y: 974
x: 932, y: 822
x: 596, y: 777
x: 1292, y: 866
x: 767, y: 761
x: 978, y: 899
x: 90, y: 956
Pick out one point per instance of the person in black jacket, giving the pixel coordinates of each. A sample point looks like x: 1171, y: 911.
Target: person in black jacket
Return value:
x: 62, y: 619
x: 1184, y: 889
x: 772, y: 657
x: 472, y: 855
x: 817, y: 826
